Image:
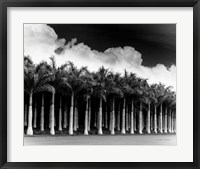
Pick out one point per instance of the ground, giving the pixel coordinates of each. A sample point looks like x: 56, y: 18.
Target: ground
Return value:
x: 153, y: 139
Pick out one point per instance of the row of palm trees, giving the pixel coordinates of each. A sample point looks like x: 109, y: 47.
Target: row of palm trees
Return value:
x: 72, y: 98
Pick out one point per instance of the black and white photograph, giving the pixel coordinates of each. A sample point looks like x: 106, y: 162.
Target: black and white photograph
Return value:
x: 99, y: 84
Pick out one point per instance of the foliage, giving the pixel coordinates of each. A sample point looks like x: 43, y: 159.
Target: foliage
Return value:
x: 104, y: 83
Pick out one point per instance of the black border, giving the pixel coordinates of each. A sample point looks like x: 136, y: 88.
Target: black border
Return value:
x: 4, y: 4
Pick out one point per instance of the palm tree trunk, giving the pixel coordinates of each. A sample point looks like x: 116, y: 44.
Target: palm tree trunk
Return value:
x: 35, y: 116
x: 165, y: 126
x: 135, y: 120
x: 100, y: 118
x: 118, y: 118
x: 30, y: 116
x: 77, y: 118
x: 103, y: 121
x: 42, y: 115
x: 151, y: 121
x: 50, y: 118
x: 169, y: 122
x: 132, y: 118
x: 65, y: 117
x: 140, y: 119
x: 127, y: 117
x: 172, y: 123
x: 148, y: 120
x: 52, y: 115
x: 155, y: 118
x: 95, y: 117
x: 25, y: 114
x: 89, y: 115
x: 113, y: 118
x: 143, y: 123
x: 163, y: 121
x: 54, y: 121
x: 110, y: 125
x: 106, y: 117
x: 75, y: 115
x: 123, y: 131
x: 86, y: 118
x: 71, y: 114
x: 160, y: 119
x: 115, y: 123
x: 110, y: 120
x: 60, y: 115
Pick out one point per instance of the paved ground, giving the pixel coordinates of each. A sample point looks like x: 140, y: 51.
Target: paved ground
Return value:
x: 153, y: 139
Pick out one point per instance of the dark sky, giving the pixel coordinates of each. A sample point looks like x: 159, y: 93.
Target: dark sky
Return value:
x: 156, y: 42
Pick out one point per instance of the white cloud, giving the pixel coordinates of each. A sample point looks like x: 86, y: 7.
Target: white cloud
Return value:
x: 41, y: 42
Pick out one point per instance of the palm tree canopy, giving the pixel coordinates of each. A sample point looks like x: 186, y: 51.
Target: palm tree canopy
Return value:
x: 73, y: 76
x: 145, y: 92
x: 88, y: 83
x: 100, y: 77
x: 68, y: 78
x: 60, y: 78
x: 163, y: 92
x: 35, y: 79
x: 125, y: 84
x: 131, y: 85
x: 113, y: 85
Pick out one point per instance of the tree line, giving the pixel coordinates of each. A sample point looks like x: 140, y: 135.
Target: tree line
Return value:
x: 68, y: 97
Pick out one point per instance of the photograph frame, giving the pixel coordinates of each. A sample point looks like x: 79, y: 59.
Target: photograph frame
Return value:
x: 102, y: 3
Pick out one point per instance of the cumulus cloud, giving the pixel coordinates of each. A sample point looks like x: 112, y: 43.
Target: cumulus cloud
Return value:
x: 41, y: 42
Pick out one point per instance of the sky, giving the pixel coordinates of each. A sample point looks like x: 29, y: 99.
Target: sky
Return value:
x: 149, y: 50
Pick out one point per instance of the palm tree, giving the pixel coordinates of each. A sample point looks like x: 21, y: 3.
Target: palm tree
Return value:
x: 174, y: 121
x: 114, y: 91
x: 151, y: 98
x: 118, y: 117
x: 87, y: 86
x: 162, y: 96
x: 65, y: 116
x: 27, y: 65
x: 60, y: 115
x: 126, y: 115
x: 89, y: 114
x: 25, y: 114
x: 73, y: 82
x: 126, y: 89
x: 43, y: 68
x: 86, y: 117
x: 100, y: 92
x: 143, y: 98
x: 34, y: 82
x: 35, y: 115
x: 59, y: 83
x: 75, y: 114
x: 42, y: 114
x: 140, y: 119
x: 154, y: 96
x: 165, y: 119
x: 135, y: 93
x: 171, y: 103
